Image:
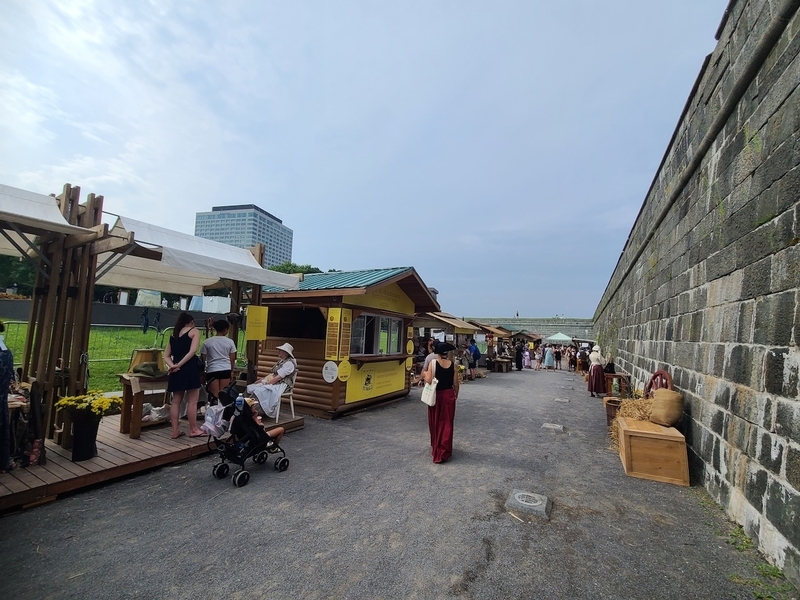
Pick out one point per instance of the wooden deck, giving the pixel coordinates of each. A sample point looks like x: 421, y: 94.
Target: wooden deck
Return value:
x: 117, y: 456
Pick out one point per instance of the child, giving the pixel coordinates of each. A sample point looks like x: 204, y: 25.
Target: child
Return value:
x: 219, y: 355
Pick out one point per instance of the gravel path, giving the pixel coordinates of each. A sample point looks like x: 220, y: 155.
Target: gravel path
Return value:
x: 363, y: 513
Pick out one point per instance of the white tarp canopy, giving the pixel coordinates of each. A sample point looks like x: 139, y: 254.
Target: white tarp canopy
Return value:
x: 179, y: 263
x: 558, y: 338
x: 30, y: 213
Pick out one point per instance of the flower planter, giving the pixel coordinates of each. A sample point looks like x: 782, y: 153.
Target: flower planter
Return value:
x: 84, y: 437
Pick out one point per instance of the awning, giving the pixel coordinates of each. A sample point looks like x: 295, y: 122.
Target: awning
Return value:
x: 458, y: 325
x: 24, y: 212
x: 558, y: 338
x: 155, y: 258
x: 489, y: 329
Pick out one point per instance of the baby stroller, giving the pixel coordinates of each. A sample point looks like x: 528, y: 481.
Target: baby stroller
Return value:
x: 247, y: 439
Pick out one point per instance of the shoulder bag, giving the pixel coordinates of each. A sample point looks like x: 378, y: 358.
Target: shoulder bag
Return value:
x: 429, y: 391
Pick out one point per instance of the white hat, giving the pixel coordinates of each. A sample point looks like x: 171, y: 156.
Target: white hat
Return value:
x: 288, y: 348
x: 595, y: 349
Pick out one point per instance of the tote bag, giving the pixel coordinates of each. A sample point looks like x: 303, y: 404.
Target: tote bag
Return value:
x: 429, y: 391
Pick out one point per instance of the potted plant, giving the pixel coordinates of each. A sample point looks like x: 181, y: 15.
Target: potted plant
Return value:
x: 85, y: 412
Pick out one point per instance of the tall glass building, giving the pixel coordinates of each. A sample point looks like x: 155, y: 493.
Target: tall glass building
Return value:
x: 245, y: 225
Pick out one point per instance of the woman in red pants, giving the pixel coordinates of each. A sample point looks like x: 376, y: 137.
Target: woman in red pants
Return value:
x: 442, y: 414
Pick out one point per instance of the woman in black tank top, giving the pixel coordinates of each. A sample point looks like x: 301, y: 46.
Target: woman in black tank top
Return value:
x: 442, y: 414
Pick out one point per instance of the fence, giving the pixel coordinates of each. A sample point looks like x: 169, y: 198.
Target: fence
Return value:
x: 106, y: 342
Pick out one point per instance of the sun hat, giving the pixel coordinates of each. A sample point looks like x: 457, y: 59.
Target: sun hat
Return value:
x: 288, y: 348
x: 444, y: 348
x: 596, y: 349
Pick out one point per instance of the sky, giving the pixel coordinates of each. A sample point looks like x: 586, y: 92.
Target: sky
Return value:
x: 502, y: 148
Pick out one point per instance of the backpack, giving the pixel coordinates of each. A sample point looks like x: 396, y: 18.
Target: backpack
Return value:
x: 476, y: 354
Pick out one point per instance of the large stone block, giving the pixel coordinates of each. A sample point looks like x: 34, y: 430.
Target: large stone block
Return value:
x: 739, y: 365
x: 773, y: 319
x: 755, y: 487
x: 787, y: 419
x: 783, y: 511
x: 785, y: 269
x: 725, y: 289
x: 744, y: 331
x: 721, y: 263
x: 793, y: 466
x: 781, y: 372
x: 757, y: 279
x: 770, y: 452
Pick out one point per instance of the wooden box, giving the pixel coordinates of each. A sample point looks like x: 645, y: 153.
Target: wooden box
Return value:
x: 651, y: 451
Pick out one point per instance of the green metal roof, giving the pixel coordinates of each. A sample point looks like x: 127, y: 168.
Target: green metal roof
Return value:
x: 338, y: 280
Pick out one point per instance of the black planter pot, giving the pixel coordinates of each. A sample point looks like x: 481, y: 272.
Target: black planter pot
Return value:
x: 84, y: 437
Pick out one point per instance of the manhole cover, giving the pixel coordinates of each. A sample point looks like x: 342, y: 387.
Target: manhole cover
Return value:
x: 528, y: 499
x: 521, y: 503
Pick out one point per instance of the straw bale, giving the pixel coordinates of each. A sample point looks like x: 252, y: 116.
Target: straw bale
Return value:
x: 637, y: 410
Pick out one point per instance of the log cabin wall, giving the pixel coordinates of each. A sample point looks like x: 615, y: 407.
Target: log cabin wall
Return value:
x: 312, y: 394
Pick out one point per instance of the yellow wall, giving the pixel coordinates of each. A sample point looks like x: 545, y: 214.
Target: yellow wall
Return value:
x: 389, y: 297
x: 375, y: 379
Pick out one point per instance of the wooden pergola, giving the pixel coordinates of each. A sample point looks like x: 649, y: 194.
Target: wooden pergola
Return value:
x: 63, y: 239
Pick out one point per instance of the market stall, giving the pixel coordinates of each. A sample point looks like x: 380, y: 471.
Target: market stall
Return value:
x: 352, y: 336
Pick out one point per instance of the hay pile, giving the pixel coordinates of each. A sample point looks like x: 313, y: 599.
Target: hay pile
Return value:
x: 638, y: 410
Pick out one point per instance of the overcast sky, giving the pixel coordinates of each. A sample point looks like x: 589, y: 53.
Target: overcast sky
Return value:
x: 502, y: 148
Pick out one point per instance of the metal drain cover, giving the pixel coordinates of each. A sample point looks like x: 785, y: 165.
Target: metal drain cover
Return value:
x: 521, y: 501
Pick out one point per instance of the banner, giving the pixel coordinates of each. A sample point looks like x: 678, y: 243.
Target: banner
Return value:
x: 332, y: 334
x: 345, y: 334
x: 256, y: 323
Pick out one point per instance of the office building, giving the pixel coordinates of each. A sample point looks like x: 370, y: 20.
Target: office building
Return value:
x: 245, y: 225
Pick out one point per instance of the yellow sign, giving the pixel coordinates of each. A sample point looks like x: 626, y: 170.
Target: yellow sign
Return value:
x: 346, y: 327
x: 409, y: 363
x: 410, y: 332
x: 332, y: 334
x: 409, y: 347
x: 256, y: 323
x: 345, y: 369
x: 375, y: 379
x: 389, y: 297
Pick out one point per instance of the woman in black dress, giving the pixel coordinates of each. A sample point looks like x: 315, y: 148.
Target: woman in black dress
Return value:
x: 184, y: 373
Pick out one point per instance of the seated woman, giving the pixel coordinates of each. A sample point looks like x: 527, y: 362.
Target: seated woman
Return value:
x: 281, y: 378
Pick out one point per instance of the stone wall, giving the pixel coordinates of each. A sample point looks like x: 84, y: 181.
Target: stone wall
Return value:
x: 577, y: 328
x: 707, y: 286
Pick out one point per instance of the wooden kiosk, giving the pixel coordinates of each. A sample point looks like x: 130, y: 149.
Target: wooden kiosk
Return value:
x: 352, y: 336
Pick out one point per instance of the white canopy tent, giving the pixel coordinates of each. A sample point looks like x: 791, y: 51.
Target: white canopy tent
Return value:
x: 155, y: 258
x: 558, y: 338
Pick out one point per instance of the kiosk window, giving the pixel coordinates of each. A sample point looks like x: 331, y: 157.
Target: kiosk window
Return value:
x: 373, y: 334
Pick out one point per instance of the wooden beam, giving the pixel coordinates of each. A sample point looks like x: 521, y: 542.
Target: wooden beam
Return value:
x: 113, y: 244
x: 81, y: 239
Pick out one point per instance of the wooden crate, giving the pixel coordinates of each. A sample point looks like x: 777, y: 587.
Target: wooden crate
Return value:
x: 651, y: 451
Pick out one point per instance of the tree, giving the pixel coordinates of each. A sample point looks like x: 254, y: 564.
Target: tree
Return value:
x: 15, y: 271
x: 292, y: 268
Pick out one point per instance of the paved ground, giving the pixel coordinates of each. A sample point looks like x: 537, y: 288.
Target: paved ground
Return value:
x: 363, y: 513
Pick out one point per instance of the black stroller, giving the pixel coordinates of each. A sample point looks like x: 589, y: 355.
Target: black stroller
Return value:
x: 247, y: 439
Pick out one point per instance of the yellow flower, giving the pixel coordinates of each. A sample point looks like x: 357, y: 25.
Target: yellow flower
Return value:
x: 92, y: 400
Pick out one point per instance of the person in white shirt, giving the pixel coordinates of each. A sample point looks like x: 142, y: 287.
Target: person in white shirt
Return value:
x: 219, y: 356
